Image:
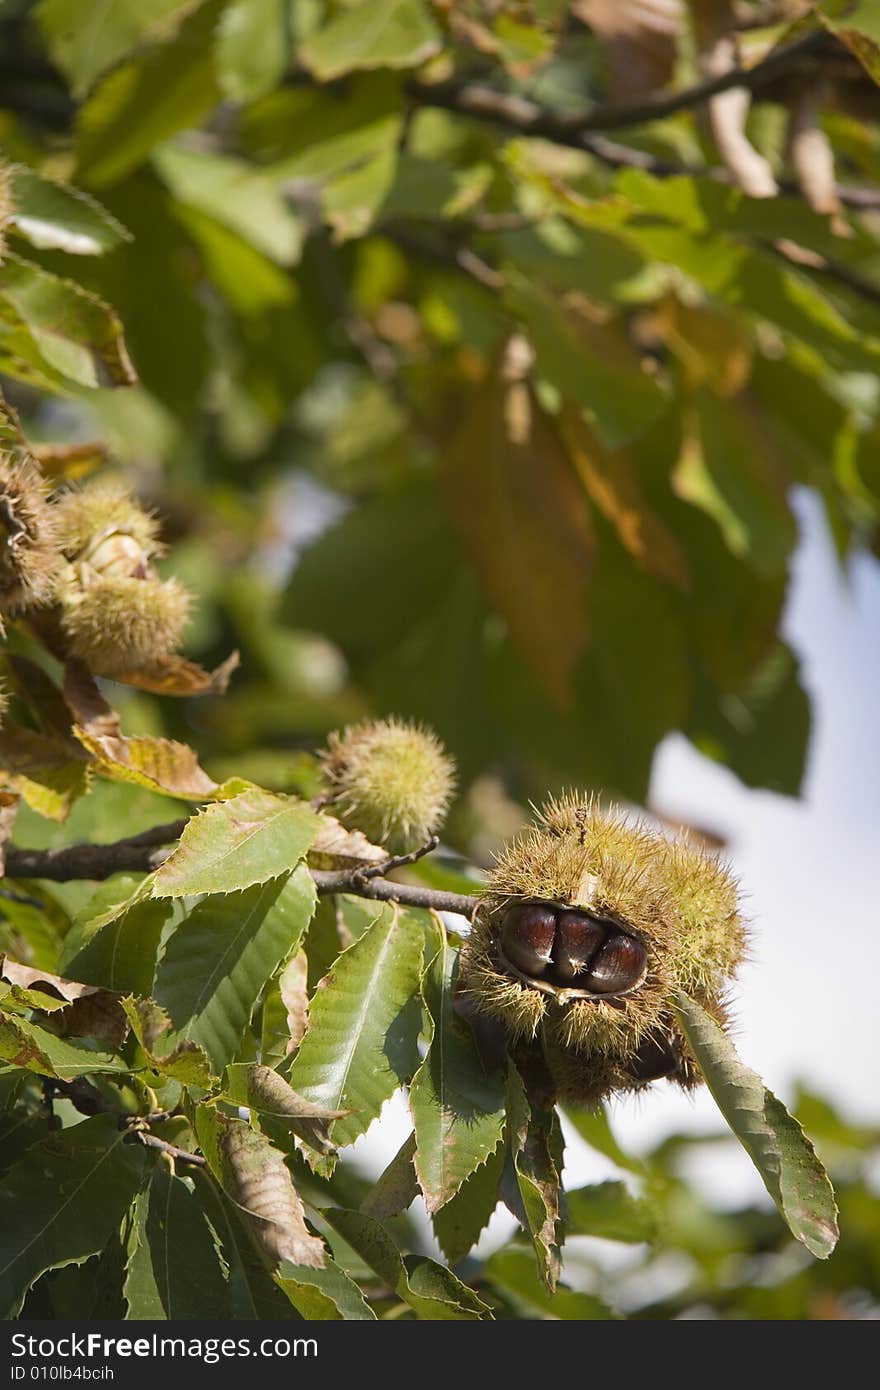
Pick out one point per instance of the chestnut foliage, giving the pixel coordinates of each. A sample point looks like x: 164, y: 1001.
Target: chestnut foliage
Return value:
x: 373, y: 375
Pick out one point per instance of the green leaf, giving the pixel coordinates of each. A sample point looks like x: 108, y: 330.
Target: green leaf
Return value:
x: 253, y: 1294
x: 727, y: 470
x: 460, y: 1222
x: 251, y: 48
x: 56, y: 326
x: 323, y: 1295
x: 220, y: 957
x: 148, y: 99
x: 512, y: 1271
x: 397, y: 1187
x: 122, y: 954
x: 56, y: 217
x: 372, y: 34
x: 531, y: 1184
x: 62, y: 1202
x: 361, y: 1044
x: 182, y: 1061
x: 235, y: 844
x: 609, y: 1210
x: 83, y: 45
x: 25, y: 1044
x: 431, y: 1289
x: 772, y: 1138
x: 593, y: 364
x: 458, y: 1110
x: 173, y: 1270
x: 237, y: 195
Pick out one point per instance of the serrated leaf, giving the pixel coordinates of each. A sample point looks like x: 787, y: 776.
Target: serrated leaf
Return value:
x: 773, y: 1139
x: 235, y: 844
x: 531, y: 1184
x: 122, y: 952
x: 426, y: 1286
x: 58, y: 326
x: 159, y: 764
x: 179, y: 1059
x: 397, y: 1186
x: 173, y: 1270
x: 609, y: 1210
x: 26, y: 1044
x: 257, y: 1179
x: 459, y: 1223
x: 243, y: 937
x: 323, y: 1295
x: 286, y: 1009
x: 372, y: 34
x: 56, y: 216
x: 362, y: 1041
x: 457, y: 1108
x: 62, y: 1202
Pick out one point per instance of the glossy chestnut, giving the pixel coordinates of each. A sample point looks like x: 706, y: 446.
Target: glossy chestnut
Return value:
x: 578, y: 938
x: 527, y: 935
x: 618, y: 965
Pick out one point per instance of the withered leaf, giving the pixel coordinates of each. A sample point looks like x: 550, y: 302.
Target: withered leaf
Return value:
x: 257, y: 1179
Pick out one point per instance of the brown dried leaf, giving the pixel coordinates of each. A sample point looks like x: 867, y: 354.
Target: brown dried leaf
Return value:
x: 175, y: 675
x: 334, y: 847
x: 186, y: 1062
x: 257, y: 1179
x: 293, y: 984
x: 157, y: 763
x: 638, y: 39
x: 92, y: 1012
x: 613, y: 484
x: 70, y: 462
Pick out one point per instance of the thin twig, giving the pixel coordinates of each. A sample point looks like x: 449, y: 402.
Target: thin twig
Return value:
x: 397, y: 861
x: 153, y: 1141
x: 526, y: 117
x: 384, y: 890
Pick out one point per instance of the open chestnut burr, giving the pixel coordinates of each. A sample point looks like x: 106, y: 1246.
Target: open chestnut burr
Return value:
x: 571, y: 949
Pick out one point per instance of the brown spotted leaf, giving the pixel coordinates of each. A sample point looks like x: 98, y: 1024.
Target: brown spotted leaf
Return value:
x: 48, y: 772
x: 88, y: 1011
x: 334, y: 847
x: 186, y: 1062
x: 255, y: 1176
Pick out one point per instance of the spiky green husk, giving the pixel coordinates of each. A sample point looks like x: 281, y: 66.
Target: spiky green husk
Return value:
x: 30, y: 560
x: 117, y: 624
x: 391, y: 780
x: 91, y: 516
x: 678, y: 901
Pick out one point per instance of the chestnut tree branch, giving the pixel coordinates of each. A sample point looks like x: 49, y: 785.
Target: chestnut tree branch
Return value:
x: 145, y: 852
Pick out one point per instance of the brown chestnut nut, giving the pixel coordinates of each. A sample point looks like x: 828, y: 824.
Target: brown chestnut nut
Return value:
x: 618, y: 965
x: 527, y: 934
x: 578, y: 938
x: 655, y: 1057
